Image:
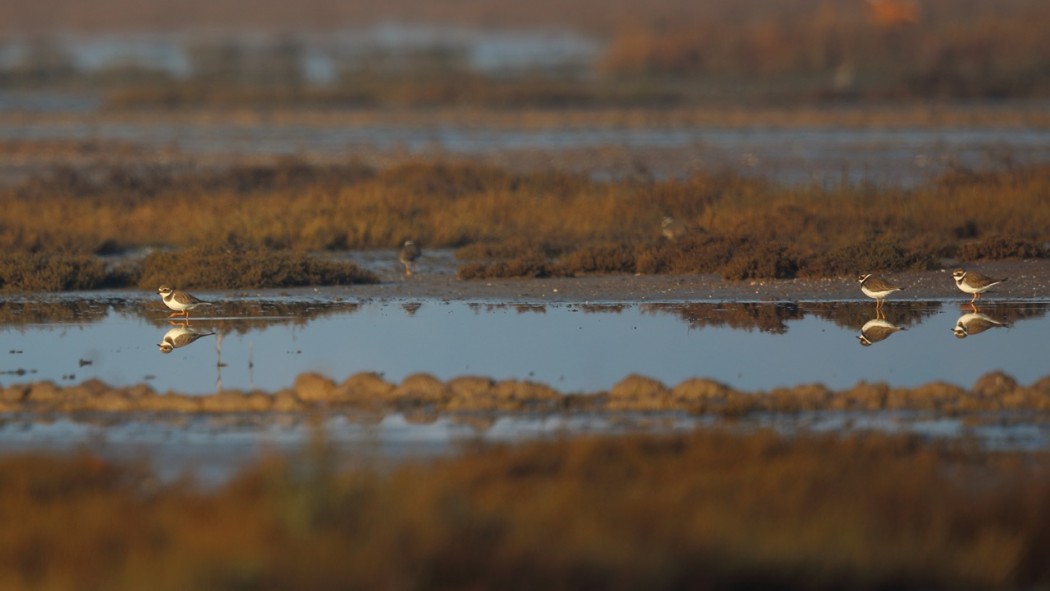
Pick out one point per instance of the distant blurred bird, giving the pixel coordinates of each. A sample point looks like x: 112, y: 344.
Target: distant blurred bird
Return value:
x: 410, y: 251
x: 179, y: 301
x: 973, y: 282
x: 877, y: 330
x: 672, y: 228
x: 180, y: 336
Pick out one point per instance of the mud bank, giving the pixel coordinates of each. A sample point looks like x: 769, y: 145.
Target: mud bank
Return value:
x: 425, y: 394
x: 1028, y: 278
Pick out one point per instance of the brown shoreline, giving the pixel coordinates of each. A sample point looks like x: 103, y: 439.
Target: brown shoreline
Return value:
x: 423, y: 393
x: 1027, y: 279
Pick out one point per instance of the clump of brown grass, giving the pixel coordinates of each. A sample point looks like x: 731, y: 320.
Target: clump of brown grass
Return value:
x: 999, y: 247
x: 52, y: 272
x: 698, y: 510
x: 766, y: 260
x: 602, y: 258
x: 879, y: 254
x: 240, y: 267
x: 528, y: 265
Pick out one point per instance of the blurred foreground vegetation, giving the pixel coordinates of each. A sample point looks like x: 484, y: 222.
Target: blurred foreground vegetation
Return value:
x: 267, y: 225
x: 700, y: 510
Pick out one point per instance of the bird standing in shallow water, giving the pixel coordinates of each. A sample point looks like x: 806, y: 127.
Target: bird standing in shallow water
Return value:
x: 410, y: 251
x: 179, y: 301
x: 876, y: 288
x: 973, y: 282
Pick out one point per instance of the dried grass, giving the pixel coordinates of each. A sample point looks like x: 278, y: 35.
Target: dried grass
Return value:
x: 52, y: 272
x: 238, y: 267
x: 699, y: 510
x: 539, y: 224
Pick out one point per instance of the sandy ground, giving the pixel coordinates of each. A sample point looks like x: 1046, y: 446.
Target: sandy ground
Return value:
x: 1029, y: 279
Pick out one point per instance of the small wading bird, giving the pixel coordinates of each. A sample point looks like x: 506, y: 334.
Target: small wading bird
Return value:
x: 876, y: 288
x: 180, y: 336
x: 179, y: 301
x: 876, y: 330
x: 973, y: 282
x: 409, y: 253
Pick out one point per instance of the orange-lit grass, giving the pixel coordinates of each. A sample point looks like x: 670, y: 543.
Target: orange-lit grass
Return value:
x: 741, y: 227
x: 238, y: 267
x: 52, y: 272
x: 701, y: 510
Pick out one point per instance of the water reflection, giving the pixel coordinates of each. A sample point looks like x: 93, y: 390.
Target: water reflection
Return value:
x: 775, y: 318
x: 974, y: 323
x: 771, y: 318
x: 904, y: 314
x: 266, y: 342
x: 180, y: 335
x: 876, y: 330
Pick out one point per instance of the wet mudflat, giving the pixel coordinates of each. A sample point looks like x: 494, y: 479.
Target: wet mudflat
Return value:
x: 264, y: 341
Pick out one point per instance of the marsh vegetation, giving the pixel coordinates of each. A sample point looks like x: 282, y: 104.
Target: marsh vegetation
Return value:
x: 268, y: 225
x: 705, y: 509
x: 663, y: 53
x: 99, y: 190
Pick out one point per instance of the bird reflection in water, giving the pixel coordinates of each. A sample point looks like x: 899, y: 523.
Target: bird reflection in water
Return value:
x: 972, y: 323
x: 180, y: 335
x: 877, y: 329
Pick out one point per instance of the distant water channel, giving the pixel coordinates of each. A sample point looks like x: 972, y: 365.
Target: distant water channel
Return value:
x: 898, y: 156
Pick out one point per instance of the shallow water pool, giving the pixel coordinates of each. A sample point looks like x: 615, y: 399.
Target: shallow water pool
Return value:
x: 265, y: 343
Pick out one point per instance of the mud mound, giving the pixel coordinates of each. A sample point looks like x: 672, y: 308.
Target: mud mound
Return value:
x: 993, y: 392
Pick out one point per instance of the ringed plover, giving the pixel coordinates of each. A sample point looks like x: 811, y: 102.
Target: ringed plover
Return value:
x: 973, y: 282
x: 876, y: 288
x: 179, y: 301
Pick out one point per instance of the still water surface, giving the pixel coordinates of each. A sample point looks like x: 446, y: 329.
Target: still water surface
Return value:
x: 265, y: 342
x: 572, y: 347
